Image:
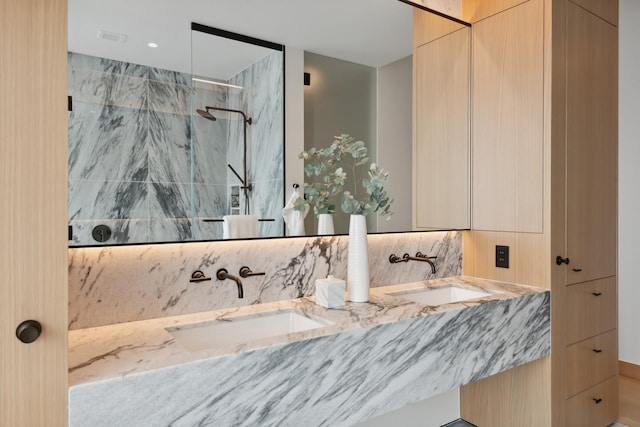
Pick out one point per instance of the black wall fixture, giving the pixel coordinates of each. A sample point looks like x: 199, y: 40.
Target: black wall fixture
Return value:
x: 307, y: 79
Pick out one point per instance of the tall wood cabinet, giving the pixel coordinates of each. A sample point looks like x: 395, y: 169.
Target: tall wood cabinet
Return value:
x: 507, y: 132
x: 544, y: 182
x: 441, y: 73
x: 591, y: 346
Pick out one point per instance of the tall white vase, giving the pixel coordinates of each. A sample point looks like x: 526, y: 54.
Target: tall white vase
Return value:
x: 358, y: 260
x: 325, y: 224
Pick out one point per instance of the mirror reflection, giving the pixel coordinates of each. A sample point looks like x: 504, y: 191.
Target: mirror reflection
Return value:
x: 238, y: 123
x: 146, y: 158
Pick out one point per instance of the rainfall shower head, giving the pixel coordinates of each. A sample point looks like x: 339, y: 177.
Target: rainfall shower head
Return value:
x: 206, y: 114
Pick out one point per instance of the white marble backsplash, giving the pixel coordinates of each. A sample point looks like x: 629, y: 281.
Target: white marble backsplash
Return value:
x: 119, y: 284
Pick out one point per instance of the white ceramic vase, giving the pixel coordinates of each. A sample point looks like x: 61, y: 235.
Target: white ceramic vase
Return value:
x: 325, y: 224
x: 358, y: 260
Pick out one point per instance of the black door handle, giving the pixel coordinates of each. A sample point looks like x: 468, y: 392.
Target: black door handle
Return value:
x: 28, y: 331
x: 560, y: 260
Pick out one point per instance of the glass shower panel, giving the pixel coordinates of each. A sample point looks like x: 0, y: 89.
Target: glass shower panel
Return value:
x: 237, y: 117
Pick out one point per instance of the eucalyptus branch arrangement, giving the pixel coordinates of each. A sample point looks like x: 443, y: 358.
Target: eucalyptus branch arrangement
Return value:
x: 345, y: 153
x: 320, y: 194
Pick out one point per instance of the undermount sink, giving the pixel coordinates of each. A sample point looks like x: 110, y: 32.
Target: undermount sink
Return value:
x: 447, y: 294
x: 243, y: 329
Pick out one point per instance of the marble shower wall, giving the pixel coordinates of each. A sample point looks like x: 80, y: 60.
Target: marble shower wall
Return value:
x: 140, y: 165
x: 121, y: 284
x: 130, y: 151
x: 210, y: 152
x: 263, y: 100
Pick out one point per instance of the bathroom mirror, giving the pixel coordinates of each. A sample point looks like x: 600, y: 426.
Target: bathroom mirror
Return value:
x: 120, y: 81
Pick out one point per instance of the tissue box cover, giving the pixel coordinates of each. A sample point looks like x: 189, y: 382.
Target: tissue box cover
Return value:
x: 330, y: 292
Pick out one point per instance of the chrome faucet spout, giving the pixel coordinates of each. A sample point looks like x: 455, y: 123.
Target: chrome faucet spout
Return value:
x: 223, y: 274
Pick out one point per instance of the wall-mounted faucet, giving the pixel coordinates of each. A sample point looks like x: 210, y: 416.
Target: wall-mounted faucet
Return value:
x: 394, y: 259
x: 223, y: 274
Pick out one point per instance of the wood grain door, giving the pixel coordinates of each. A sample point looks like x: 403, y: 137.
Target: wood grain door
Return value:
x: 592, y: 136
x: 441, y: 142
x: 508, y: 120
x: 33, y: 211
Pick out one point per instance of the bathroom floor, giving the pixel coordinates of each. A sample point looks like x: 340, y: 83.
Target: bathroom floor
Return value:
x: 629, y: 401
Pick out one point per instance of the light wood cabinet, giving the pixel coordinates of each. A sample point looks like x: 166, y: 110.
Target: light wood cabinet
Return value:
x: 591, y: 361
x: 33, y: 211
x: 590, y: 43
x: 508, y: 121
x: 592, y: 135
x: 590, y: 309
x: 595, y: 407
x: 576, y: 131
x: 441, y: 124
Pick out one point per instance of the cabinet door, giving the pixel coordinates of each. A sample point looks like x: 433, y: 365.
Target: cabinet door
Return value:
x: 590, y: 309
x: 508, y: 120
x: 441, y: 142
x: 591, y: 361
x: 592, y: 102
x: 595, y: 407
x: 33, y: 211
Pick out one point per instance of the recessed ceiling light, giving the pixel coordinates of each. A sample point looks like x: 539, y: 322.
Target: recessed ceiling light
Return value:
x: 152, y: 44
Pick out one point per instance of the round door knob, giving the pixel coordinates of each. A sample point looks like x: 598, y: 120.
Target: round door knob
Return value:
x: 28, y: 331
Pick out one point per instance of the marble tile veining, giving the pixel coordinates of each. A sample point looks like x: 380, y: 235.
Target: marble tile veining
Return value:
x: 133, y: 125
x: 262, y: 100
x: 376, y: 357
x: 155, y: 278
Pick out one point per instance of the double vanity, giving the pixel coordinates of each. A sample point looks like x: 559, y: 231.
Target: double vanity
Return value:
x: 293, y: 362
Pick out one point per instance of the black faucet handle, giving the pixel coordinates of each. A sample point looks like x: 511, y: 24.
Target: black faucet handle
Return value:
x: 246, y: 272
x: 198, y: 276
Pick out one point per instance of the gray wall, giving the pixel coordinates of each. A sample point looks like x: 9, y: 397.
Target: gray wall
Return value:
x: 341, y: 99
x: 629, y: 176
x: 395, y: 110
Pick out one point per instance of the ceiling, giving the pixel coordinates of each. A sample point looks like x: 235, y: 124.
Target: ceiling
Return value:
x: 369, y: 32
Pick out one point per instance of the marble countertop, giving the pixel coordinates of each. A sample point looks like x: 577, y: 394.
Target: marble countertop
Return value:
x: 122, y: 350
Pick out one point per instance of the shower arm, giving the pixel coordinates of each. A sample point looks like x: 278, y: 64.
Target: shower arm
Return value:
x: 246, y: 121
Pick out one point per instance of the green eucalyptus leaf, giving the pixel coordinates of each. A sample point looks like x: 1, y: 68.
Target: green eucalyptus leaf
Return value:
x: 327, y: 165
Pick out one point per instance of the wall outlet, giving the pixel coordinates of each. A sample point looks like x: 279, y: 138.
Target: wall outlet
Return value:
x: 502, y: 256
